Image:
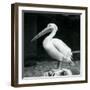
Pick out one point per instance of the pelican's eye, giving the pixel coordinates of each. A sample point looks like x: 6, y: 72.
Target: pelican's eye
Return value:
x: 49, y: 25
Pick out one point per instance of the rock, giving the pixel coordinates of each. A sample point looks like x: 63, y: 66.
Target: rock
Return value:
x: 58, y: 72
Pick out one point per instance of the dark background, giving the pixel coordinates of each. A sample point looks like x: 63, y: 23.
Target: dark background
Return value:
x: 33, y: 22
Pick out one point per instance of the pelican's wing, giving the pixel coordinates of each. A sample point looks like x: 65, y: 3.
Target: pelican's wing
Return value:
x: 62, y: 47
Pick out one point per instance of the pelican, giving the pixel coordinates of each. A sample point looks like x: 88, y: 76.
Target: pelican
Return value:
x: 55, y: 47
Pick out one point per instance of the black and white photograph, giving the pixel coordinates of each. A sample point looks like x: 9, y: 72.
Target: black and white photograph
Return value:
x: 50, y: 44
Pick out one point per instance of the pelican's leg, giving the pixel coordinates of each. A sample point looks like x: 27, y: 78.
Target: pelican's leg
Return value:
x: 71, y: 63
x: 59, y: 66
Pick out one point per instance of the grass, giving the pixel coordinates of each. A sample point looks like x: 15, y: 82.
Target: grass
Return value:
x: 45, y: 65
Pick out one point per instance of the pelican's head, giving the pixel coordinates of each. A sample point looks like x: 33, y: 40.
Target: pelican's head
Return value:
x: 50, y: 27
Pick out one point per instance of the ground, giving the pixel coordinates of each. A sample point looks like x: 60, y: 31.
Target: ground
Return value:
x: 42, y: 66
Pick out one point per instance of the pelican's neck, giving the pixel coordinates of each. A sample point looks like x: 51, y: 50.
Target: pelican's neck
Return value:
x: 52, y: 34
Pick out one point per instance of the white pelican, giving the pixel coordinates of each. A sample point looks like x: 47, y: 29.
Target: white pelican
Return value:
x: 55, y: 48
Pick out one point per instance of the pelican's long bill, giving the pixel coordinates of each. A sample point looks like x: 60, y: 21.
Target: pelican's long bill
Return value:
x: 43, y: 32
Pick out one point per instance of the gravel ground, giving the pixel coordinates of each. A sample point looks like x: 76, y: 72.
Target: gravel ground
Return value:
x: 43, y: 66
